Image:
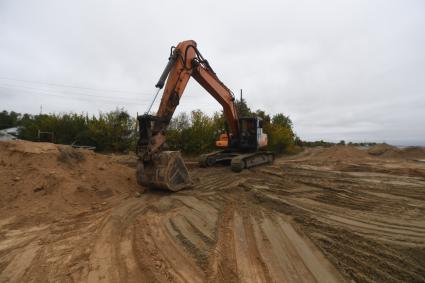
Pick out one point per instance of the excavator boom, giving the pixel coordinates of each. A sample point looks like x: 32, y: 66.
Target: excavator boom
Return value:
x: 166, y: 169
x: 160, y: 168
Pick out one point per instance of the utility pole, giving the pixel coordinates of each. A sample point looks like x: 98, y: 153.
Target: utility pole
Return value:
x: 41, y: 109
x: 239, y: 105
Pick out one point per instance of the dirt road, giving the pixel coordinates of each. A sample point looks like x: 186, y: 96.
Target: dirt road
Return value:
x: 326, y: 215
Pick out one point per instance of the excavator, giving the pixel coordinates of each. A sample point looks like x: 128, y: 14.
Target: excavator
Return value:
x: 241, y: 146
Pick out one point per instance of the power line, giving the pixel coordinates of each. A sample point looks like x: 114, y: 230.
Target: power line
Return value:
x: 42, y: 89
x: 73, y: 86
x: 73, y: 97
x: 89, y: 88
x: 83, y: 94
x: 76, y: 95
x: 91, y: 98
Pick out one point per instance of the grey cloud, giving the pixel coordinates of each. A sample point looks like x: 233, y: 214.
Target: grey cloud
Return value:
x: 349, y: 70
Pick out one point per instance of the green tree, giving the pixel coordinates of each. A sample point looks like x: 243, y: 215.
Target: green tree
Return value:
x: 282, y: 120
x: 201, y: 134
x: 9, y: 119
x: 280, y: 134
x: 196, y: 134
x: 115, y: 131
x: 262, y: 114
x: 175, y: 138
x: 281, y: 139
x: 179, y: 122
x: 111, y: 131
x: 242, y: 108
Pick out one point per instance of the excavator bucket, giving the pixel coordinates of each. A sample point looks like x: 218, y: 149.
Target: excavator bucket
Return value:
x: 166, y: 171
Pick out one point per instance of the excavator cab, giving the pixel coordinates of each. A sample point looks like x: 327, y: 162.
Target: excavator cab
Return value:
x: 251, y: 136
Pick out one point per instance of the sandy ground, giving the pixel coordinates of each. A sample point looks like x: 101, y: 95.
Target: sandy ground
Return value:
x: 326, y: 215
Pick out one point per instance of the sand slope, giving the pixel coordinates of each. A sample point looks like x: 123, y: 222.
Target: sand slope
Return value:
x: 325, y: 215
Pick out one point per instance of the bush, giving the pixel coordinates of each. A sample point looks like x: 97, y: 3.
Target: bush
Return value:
x: 9, y: 119
x: 281, y: 139
x: 116, y: 130
x: 280, y: 134
x: 112, y: 131
x: 195, y: 135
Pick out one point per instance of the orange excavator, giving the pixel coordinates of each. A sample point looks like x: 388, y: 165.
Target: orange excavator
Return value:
x: 241, y: 145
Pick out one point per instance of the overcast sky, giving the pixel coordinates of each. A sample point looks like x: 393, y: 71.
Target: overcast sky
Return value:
x: 352, y: 70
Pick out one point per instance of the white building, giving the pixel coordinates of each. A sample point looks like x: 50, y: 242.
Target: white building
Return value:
x: 9, y: 134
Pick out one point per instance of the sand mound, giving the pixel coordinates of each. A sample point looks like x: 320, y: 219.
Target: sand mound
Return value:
x: 382, y: 150
x: 69, y: 215
x: 338, y: 152
x: 413, y: 152
x: 56, y: 180
x: 385, y: 150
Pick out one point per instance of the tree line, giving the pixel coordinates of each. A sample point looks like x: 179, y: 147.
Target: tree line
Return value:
x: 197, y: 132
x: 116, y: 131
x: 111, y: 131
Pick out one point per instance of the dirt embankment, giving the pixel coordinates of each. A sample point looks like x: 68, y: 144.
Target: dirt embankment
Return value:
x: 54, y: 180
x: 385, y: 150
x: 325, y: 215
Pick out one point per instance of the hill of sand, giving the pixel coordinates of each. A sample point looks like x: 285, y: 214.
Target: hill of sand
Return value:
x: 52, y: 181
x: 335, y: 214
x: 385, y: 150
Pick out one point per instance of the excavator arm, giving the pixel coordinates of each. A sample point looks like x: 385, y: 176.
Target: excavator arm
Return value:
x: 166, y: 169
